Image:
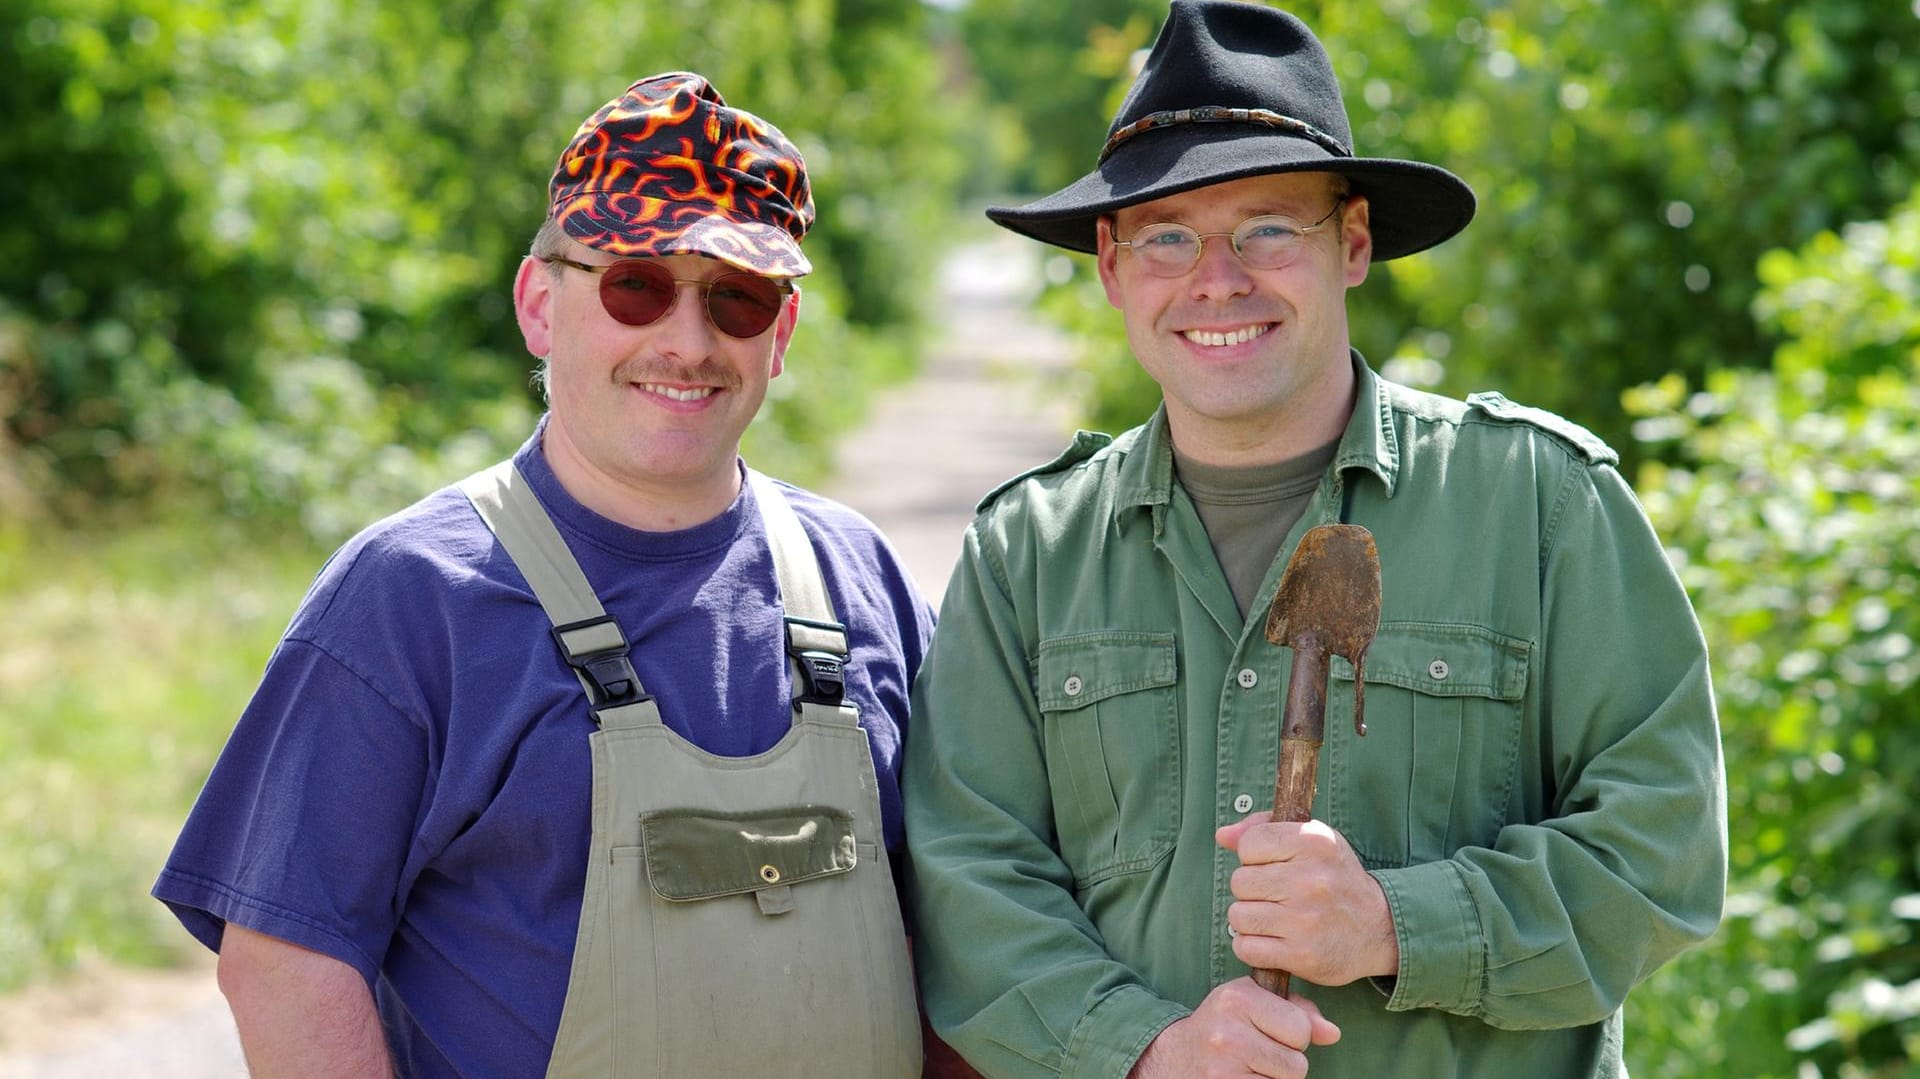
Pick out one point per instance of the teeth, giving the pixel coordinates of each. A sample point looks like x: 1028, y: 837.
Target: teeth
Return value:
x: 1238, y: 337
x: 671, y: 393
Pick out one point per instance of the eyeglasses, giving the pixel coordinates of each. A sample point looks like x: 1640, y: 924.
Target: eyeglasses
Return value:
x: 640, y: 292
x: 1267, y: 242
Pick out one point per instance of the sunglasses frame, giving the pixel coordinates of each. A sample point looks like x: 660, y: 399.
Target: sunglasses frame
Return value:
x: 782, y: 286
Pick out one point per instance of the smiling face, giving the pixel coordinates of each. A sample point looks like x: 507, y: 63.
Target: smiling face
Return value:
x: 1253, y: 363
x: 645, y: 421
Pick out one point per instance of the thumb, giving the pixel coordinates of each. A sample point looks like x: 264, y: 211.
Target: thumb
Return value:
x: 1323, y: 1032
x: 1229, y: 835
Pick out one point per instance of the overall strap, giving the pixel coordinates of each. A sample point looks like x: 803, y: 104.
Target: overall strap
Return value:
x: 589, y: 638
x: 816, y: 641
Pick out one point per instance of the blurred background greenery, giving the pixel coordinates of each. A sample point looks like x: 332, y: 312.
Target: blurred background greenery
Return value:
x: 254, y: 268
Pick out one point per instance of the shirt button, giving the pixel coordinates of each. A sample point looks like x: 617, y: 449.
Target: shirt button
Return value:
x: 1248, y: 678
x: 1073, y: 685
x: 1243, y: 803
x: 1438, y: 670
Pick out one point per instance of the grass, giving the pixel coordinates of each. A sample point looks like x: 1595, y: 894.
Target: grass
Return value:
x: 124, y: 659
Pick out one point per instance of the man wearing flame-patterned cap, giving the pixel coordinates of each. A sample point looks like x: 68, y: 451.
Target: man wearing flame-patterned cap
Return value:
x: 587, y: 765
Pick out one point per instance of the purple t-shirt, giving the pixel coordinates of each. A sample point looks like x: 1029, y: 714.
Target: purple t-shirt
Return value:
x: 409, y: 789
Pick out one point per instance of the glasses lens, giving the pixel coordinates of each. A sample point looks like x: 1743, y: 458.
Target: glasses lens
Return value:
x: 1268, y: 243
x: 1167, y: 249
x: 743, y: 304
x: 639, y: 292
x: 636, y: 292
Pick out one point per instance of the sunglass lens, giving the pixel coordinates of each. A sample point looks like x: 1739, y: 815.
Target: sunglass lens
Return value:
x: 635, y: 292
x: 743, y: 305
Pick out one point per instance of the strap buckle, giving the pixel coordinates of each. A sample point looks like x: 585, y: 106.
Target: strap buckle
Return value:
x: 819, y: 651
x: 598, y: 652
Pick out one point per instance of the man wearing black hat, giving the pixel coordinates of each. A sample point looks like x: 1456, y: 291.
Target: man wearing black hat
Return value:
x: 1535, y: 820
x: 587, y: 765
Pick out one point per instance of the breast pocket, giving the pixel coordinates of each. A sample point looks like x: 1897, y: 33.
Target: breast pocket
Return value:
x: 1111, y: 727
x: 1436, y: 769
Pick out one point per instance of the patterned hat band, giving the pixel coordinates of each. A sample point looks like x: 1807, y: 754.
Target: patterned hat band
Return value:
x: 1221, y: 114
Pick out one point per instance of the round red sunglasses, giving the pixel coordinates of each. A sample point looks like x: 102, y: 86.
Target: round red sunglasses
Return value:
x: 639, y: 292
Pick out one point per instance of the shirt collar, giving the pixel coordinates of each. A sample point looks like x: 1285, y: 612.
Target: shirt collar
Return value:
x: 1145, y: 477
x: 1370, y: 442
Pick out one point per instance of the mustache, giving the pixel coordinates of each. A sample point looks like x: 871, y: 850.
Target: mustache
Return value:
x: 705, y: 373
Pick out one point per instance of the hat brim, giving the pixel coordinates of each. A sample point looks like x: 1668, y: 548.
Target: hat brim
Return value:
x: 753, y: 246
x: 1411, y: 205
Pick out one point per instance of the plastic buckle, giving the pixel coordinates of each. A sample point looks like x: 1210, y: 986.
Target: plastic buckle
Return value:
x: 825, y: 676
x: 823, y: 673
x: 608, y: 671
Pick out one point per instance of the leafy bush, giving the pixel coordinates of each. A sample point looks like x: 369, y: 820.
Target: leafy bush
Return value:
x: 1794, y: 514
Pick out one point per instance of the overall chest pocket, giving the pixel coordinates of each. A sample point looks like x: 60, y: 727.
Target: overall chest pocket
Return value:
x: 1110, y: 721
x: 1436, y: 769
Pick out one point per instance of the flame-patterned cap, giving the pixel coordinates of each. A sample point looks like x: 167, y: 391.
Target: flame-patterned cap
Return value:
x: 667, y: 168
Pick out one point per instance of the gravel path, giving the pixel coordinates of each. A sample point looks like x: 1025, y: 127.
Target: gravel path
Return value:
x: 990, y: 403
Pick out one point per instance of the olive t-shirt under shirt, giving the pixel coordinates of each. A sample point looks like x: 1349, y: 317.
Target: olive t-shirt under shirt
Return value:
x: 1248, y: 511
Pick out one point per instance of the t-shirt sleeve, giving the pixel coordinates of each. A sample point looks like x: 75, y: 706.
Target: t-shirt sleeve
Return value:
x: 304, y: 827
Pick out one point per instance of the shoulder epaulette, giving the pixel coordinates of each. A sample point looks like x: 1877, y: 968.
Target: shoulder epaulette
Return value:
x: 1588, y: 445
x: 1085, y: 445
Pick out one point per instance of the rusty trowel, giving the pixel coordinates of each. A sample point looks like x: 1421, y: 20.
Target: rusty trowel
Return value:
x: 1328, y: 605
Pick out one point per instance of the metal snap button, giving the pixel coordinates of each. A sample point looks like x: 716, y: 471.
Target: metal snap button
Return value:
x: 1073, y: 685
x: 769, y: 874
x: 1438, y: 670
x: 1243, y: 803
x: 1248, y: 678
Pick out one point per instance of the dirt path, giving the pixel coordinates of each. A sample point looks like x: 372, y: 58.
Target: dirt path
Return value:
x: 121, y: 1024
x: 989, y: 404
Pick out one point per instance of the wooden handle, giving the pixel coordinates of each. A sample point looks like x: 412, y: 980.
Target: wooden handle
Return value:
x: 1292, y: 801
x: 1293, y: 786
x: 1273, y: 981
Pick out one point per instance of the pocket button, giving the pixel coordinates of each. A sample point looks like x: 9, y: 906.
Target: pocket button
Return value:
x: 1073, y: 685
x: 1438, y: 670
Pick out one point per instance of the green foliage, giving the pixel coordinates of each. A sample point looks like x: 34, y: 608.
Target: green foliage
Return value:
x: 1794, y: 512
x: 1052, y: 74
x: 123, y: 659
x: 212, y: 210
x: 1633, y: 162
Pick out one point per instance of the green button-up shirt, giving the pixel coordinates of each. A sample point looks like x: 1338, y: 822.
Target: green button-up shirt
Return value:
x: 1539, y: 793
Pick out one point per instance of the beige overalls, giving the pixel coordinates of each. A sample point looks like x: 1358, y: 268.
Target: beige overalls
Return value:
x: 739, y: 916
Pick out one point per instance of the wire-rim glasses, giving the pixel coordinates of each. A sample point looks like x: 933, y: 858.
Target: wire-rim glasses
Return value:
x: 1266, y: 242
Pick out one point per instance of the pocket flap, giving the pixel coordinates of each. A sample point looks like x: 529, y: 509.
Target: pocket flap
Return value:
x: 1076, y: 671
x: 1445, y: 660
x: 695, y: 854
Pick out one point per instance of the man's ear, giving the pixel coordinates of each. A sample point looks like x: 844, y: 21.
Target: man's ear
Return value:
x: 783, y: 328
x: 1356, y: 232
x: 533, y: 305
x: 1107, y: 258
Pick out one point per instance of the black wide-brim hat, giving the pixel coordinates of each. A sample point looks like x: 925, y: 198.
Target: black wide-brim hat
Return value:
x: 1235, y: 89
